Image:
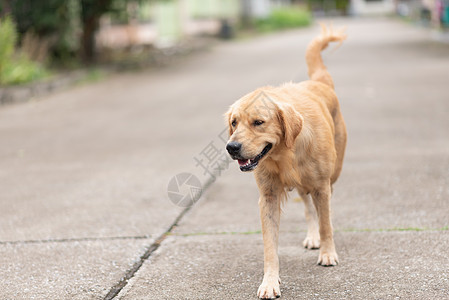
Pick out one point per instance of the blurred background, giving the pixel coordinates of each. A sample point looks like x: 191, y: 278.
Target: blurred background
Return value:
x: 41, y: 38
x: 105, y: 103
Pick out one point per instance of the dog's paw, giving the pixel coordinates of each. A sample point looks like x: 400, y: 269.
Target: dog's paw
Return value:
x: 269, y: 289
x: 328, y: 258
x: 311, y: 242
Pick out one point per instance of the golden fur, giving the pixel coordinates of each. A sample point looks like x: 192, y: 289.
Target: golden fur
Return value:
x: 304, y: 125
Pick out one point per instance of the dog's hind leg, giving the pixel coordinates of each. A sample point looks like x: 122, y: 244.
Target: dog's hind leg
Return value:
x: 312, y: 240
x: 322, y: 198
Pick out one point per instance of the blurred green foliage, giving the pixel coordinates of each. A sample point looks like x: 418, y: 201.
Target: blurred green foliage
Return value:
x: 282, y: 18
x: 69, y: 26
x: 15, y: 67
x: 54, y: 20
x: 22, y: 70
x: 61, y: 33
x: 339, y: 7
x: 8, y: 38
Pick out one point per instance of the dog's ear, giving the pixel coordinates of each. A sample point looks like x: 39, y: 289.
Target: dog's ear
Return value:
x: 228, y: 121
x: 291, y: 123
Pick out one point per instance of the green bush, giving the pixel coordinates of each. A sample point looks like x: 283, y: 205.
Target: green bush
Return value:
x: 8, y: 39
x: 285, y: 18
x: 21, y: 70
x: 15, y: 68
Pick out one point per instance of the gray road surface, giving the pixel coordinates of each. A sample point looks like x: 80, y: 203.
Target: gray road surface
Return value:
x: 84, y: 175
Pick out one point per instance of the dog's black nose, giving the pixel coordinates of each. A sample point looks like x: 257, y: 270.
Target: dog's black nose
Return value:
x: 233, y: 148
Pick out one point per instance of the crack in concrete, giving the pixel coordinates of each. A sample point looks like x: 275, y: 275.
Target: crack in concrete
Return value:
x: 115, y: 290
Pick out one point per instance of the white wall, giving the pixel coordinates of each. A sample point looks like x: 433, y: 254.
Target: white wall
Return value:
x: 366, y: 8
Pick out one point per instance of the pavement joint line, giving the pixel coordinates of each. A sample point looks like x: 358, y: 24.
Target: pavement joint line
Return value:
x: 70, y: 240
x: 394, y: 229
x: 116, y: 289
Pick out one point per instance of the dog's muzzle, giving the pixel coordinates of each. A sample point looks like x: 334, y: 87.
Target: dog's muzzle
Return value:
x: 246, y: 164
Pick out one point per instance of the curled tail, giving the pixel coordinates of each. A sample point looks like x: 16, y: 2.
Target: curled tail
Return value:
x: 317, y: 69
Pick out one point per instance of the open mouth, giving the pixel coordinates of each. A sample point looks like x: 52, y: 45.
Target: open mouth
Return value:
x: 250, y: 164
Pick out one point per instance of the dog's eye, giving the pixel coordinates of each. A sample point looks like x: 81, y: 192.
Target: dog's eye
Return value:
x: 234, y: 122
x: 258, y: 122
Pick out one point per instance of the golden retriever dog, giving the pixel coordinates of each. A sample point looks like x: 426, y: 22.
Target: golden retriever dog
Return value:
x: 292, y: 137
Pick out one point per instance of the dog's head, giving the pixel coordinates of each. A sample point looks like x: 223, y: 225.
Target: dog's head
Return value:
x: 258, y: 126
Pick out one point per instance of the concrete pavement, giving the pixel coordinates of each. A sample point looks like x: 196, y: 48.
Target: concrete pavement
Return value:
x: 84, y: 176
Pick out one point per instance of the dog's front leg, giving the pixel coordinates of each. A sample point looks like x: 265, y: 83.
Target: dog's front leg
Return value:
x: 270, y: 214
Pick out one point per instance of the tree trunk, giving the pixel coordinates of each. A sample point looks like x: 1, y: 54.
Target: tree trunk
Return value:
x: 90, y: 26
x: 91, y: 11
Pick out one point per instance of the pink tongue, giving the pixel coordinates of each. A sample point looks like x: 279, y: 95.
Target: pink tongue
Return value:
x: 242, y: 162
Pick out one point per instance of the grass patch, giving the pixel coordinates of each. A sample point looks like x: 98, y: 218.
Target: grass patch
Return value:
x: 93, y: 75
x: 283, y: 18
x: 394, y: 229
x: 220, y: 233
